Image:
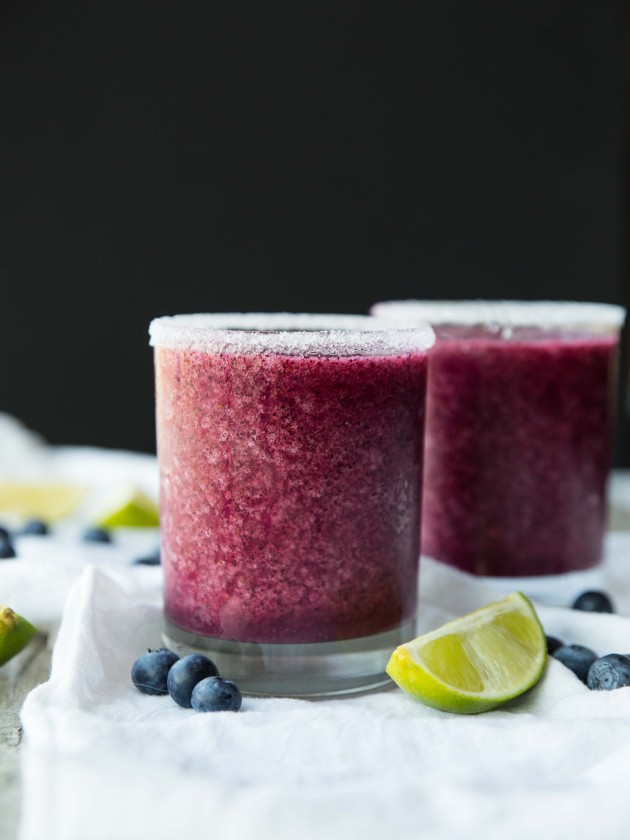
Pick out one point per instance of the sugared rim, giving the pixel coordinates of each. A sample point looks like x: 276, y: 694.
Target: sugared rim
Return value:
x: 546, y: 314
x: 293, y: 334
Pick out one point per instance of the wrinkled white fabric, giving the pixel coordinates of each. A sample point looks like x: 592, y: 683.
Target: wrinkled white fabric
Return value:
x: 101, y: 760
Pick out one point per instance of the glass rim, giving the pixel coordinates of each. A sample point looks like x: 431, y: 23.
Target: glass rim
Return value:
x: 289, y: 333
x: 496, y: 314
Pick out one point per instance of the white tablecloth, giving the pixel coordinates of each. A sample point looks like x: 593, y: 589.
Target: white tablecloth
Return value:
x: 101, y: 760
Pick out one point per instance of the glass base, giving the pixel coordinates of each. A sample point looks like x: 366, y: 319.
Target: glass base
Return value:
x: 553, y: 590
x: 298, y: 670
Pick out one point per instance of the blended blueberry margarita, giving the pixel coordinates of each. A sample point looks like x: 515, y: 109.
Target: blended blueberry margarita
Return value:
x: 290, y: 451
x: 520, y: 406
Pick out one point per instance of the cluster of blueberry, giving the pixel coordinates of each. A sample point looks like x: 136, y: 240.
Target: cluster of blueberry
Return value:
x: 34, y: 527
x: 38, y: 528
x: 603, y: 673
x: 7, y: 550
x: 192, y: 681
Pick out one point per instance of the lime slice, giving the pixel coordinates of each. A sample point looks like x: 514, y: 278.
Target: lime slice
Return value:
x: 15, y: 633
x: 132, y: 509
x: 49, y: 502
x: 477, y: 662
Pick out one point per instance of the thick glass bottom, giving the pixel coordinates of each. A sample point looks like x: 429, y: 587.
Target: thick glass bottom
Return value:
x: 298, y: 670
x: 554, y: 590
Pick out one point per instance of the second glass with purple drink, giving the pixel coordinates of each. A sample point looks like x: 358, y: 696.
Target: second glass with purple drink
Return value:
x: 290, y: 451
x: 518, y: 441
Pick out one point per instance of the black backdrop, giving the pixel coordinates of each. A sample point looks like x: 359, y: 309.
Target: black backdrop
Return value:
x: 161, y: 157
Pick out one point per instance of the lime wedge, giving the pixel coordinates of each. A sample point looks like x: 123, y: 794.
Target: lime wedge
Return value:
x: 49, y: 502
x: 15, y: 633
x: 477, y: 662
x: 132, y: 509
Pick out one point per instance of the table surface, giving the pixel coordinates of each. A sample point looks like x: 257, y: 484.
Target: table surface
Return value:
x: 32, y: 667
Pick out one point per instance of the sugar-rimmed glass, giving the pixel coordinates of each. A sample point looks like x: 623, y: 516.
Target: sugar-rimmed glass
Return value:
x: 290, y: 450
x: 520, y: 406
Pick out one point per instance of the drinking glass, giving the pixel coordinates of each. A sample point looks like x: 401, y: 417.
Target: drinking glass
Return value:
x: 520, y: 405
x: 290, y: 453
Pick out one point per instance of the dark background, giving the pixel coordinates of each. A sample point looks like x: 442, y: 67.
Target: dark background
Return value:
x: 161, y: 157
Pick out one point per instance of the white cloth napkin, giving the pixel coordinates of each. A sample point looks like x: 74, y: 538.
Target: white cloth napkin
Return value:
x: 36, y: 585
x: 101, y: 760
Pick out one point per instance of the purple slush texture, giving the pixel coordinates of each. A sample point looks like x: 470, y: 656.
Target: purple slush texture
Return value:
x: 290, y: 493
x: 518, y: 452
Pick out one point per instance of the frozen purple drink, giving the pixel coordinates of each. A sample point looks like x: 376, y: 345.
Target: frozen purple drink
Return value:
x: 519, y: 418
x: 290, y: 452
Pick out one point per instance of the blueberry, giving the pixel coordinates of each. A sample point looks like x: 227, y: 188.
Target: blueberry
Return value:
x: 553, y: 643
x: 593, y: 601
x: 608, y: 672
x: 36, y: 528
x: 150, y: 560
x: 7, y: 552
x: 96, y: 535
x: 5, y: 534
x: 214, y: 694
x: 185, y: 674
x: 150, y: 671
x: 577, y: 658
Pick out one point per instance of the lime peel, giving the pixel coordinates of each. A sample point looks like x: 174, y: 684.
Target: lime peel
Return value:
x: 133, y: 509
x: 477, y: 662
x: 15, y: 633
